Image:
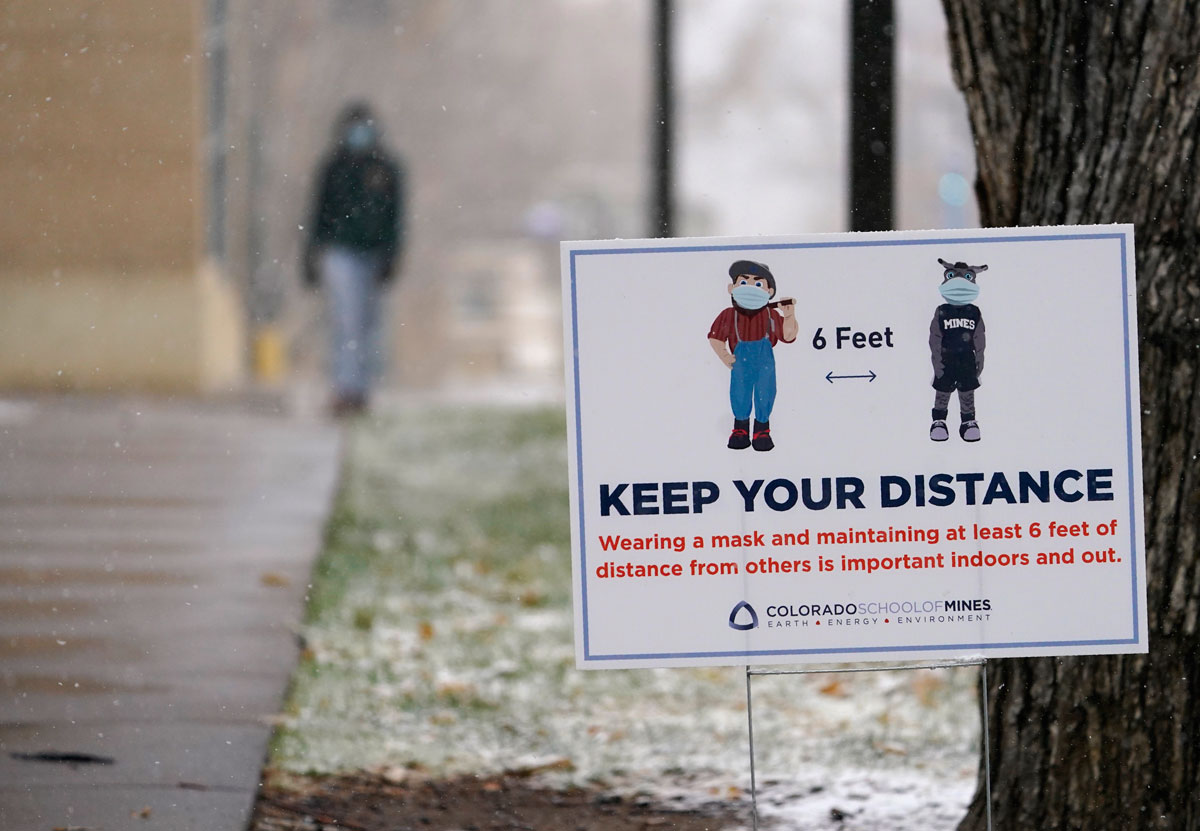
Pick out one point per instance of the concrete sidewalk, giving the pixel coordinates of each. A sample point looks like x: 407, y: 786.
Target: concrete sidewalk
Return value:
x: 153, y: 565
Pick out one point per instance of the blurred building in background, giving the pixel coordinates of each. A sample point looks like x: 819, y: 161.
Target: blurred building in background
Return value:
x: 520, y: 123
x: 113, y: 191
x: 158, y: 162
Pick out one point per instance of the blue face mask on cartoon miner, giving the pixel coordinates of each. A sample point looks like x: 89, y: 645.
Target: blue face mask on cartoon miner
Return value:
x: 958, y: 283
x: 750, y: 298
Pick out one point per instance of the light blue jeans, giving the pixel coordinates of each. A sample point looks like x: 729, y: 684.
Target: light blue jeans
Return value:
x: 352, y: 291
x: 752, y: 380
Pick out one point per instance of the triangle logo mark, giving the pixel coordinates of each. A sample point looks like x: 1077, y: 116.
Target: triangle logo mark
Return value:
x: 733, y: 615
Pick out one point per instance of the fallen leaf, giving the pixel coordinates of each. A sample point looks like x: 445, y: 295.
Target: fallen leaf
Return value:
x: 275, y: 580
x: 927, y: 685
x: 834, y: 688
x: 426, y: 630
x: 538, y: 766
x: 454, y: 689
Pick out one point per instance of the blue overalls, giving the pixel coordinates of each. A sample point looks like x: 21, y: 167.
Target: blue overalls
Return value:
x: 752, y: 378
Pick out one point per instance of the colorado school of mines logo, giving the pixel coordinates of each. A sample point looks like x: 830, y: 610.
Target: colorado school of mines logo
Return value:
x: 752, y: 623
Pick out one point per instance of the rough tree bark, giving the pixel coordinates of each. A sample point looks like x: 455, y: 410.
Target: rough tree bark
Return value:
x: 1090, y: 112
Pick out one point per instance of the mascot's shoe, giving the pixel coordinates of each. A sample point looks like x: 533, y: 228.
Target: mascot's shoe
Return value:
x: 762, y: 436
x: 969, y: 431
x: 739, y: 439
x: 938, y: 431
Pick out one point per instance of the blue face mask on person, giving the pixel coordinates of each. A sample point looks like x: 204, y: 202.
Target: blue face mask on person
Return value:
x: 360, y: 136
x: 959, y: 291
x: 750, y: 298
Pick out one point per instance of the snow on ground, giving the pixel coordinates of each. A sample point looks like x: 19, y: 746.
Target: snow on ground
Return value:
x: 440, y: 640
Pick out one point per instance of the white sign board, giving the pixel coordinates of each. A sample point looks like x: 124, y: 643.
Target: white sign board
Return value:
x: 854, y: 447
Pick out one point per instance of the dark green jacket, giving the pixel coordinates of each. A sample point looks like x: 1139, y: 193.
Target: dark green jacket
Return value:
x: 360, y: 205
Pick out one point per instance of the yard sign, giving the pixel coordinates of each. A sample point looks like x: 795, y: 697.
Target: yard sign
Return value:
x: 854, y: 447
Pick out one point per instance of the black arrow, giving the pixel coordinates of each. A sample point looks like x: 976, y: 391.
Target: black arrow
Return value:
x: 830, y: 377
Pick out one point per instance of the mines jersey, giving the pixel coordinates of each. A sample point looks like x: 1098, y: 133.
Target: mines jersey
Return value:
x: 958, y: 327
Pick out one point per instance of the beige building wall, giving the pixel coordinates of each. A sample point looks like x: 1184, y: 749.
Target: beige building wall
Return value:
x: 105, y: 277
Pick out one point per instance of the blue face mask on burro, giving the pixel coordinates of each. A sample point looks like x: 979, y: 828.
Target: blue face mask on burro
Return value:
x: 750, y: 298
x: 959, y: 291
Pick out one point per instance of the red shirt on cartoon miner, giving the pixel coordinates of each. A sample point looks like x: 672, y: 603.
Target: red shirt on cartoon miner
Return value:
x: 743, y: 337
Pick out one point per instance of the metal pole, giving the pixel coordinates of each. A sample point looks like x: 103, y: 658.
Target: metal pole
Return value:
x: 952, y: 664
x: 872, y: 101
x: 987, y: 746
x: 750, y: 730
x: 663, y: 128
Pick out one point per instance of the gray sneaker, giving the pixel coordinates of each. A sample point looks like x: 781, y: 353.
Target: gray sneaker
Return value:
x: 938, y: 431
x: 969, y: 430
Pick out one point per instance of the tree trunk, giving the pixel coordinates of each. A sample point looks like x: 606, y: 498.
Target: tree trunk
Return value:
x: 1090, y: 112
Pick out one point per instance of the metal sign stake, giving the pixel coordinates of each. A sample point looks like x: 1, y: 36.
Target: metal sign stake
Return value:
x: 973, y: 662
x: 750, y: 725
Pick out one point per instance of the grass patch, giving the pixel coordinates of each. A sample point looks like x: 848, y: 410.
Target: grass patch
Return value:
x: 439, y: 633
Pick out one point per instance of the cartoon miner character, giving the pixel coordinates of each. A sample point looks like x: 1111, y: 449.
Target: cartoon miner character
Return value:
x: 743, y: 336
x: 956, y: 343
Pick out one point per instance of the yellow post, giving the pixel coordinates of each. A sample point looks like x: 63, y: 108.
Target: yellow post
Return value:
x: 270, y: 355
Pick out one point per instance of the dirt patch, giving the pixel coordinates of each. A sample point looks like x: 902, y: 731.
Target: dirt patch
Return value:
x: 365, y: 802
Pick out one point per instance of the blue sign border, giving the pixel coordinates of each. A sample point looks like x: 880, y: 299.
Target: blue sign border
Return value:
x: 866, y: 243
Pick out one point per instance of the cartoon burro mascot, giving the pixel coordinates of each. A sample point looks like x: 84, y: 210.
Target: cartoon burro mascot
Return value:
x: 743, y: 337
x: 956, y: 343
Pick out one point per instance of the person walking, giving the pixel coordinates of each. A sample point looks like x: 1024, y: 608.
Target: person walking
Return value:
x: 355, y: 241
